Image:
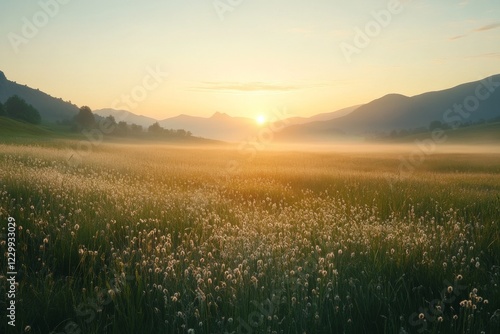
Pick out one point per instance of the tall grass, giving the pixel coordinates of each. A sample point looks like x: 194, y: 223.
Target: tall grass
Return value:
x: 159, y: 239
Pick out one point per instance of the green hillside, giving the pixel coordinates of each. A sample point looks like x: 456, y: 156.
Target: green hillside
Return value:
x: 12, y: 129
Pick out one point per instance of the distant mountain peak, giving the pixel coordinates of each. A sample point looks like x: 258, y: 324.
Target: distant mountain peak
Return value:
x: 220, y: 115
x: 394, y: 96
x: 126, y: 116
x: 2, y: 76
x: 180, y: 116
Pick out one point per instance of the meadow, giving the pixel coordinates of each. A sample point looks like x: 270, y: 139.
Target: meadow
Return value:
x: 168, y: 239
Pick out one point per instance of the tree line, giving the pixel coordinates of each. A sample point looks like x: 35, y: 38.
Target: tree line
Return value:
x: 18, y: 109
x: 85, y: 120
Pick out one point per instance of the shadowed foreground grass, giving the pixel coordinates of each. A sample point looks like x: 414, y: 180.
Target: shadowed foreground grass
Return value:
x: 159, y: 239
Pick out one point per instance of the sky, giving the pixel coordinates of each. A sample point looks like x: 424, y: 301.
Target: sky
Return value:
x: 162, y: 58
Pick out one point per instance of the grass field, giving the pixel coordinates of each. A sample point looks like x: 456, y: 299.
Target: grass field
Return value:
x: 166, y: 239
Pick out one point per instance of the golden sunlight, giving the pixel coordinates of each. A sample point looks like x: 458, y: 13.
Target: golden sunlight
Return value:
x: 261, y: 119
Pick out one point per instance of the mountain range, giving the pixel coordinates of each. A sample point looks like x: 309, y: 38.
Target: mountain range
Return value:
x: 469, y: 102
x: 219, y: 126
x: 126, y: 116
x: 478, y: 100
x: 388, y: 113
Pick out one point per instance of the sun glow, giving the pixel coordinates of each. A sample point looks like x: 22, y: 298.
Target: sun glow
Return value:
x: 261, y: 119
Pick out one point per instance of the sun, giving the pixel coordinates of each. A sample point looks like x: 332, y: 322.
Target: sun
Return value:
x: 261, y: 119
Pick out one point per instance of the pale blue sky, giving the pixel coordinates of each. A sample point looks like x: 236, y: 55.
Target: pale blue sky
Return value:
x: 264, y: 54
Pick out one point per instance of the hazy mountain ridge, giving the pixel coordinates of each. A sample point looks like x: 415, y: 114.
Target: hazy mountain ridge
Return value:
x: 422, y: 109
x: 126, y: 116
x: 51, y: 109
x: 396, y: 112
x: 323, y: 116
x: 385, y: 114
x: 219, y: 126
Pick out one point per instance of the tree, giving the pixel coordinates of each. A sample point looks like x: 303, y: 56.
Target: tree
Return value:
x: 155, y: 128
x: 110, y: 120
x: 438, y: 125
x: 122, y: 128
x: 108, y: 123
x: 181, y: 133
x: 17, y: 108
x: 494, y: 120
x: 2, y: 112
x: 85, y: 118
x: 403, y: 133
x: 136, y: 128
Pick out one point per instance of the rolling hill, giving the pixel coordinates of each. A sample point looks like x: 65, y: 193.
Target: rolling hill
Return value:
x: 12, y: 129
x: 323, y: 116
x: 395, y: 111
x: 51, y: 109
x: 399, y: 112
